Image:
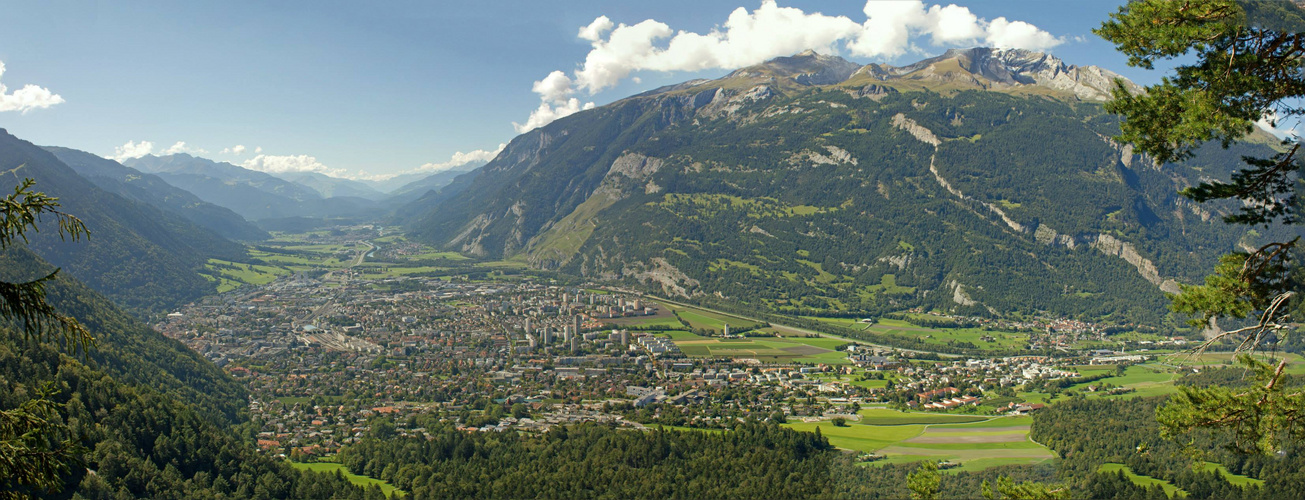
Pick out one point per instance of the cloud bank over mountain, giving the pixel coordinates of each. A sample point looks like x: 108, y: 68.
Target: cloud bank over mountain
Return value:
x: 890, y: 30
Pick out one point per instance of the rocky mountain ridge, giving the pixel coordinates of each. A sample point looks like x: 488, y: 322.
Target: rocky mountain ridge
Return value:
x: 894, y: 187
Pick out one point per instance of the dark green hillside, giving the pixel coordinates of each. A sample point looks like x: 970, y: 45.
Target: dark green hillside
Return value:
x: 986, y: 196
x: 157, y: 420
x: 144, y: 258
x: 595, y: 461
x: 130, y: 350
x: 135, y: 185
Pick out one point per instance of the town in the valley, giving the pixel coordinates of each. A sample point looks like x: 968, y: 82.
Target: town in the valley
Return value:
x: 328, y: 352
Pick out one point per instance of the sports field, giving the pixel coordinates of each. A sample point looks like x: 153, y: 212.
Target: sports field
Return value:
x: 771, y: 349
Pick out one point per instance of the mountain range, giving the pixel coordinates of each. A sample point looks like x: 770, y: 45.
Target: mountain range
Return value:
x: 141, y: 251
x: 146, y: 188
x: 259, y: 196
x: 983, y: 181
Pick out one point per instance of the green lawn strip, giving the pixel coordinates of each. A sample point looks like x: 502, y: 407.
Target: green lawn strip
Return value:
x: 1143, y: 481
x: 900, y: 459
x: 1024, y: 444
x: 364, y: 481
x: 679, y: 335
x: 1234, y: 479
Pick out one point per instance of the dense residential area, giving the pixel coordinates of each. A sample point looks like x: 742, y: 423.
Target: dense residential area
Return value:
x: 328, y: 354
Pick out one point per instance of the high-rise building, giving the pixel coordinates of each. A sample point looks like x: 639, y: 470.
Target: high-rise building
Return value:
x: 548, y: 336
x: 575, y: 343
x: 575, y: 324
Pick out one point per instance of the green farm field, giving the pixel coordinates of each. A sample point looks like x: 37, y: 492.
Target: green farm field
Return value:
x: 700, y: 319
x: 1147, y: 379
x: 974, y: 442
x: 1295, y: 363
x: 232, y: 275
x: 944, y: 336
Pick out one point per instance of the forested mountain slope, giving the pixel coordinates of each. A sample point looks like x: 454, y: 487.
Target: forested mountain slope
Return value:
x: 143, y: 258
x: 146, y: 188
x: 982, y: 181
x: 157, y: 420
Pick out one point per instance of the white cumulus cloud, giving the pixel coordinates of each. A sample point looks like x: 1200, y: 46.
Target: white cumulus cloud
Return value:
x: 549, y: 111
x: 554, y: 87
x: 1019, y: 35
x: 274, y: 164
x: 595, y: 30
x: 238, y: 149
x: 132, y: 149
x: 459, y: 159
x: 27, y: 98
x: 751, y: 37
x: 181, y: 147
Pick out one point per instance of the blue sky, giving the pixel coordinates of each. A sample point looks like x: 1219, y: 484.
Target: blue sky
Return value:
x: 377, y: 87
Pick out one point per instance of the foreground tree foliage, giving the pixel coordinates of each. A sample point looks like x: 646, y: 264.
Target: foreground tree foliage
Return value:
x: 755, y: 460
x: 34, y: 448
x: 595, y: 461
x: 1248, y: 60
x: 125, y: 413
